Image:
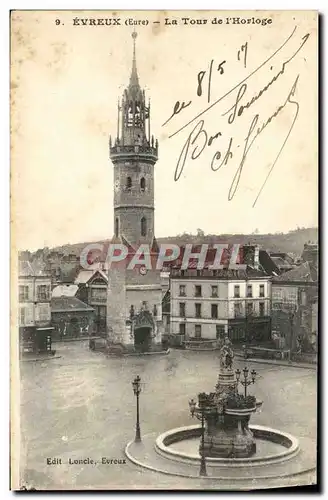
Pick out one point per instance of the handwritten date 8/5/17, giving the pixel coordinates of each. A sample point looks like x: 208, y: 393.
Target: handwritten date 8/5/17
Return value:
x: 204, y: 78
x: 242, y: 53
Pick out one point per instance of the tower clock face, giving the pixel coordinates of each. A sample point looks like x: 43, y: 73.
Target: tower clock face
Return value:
x: 117, y: 185
x: 143, y: 271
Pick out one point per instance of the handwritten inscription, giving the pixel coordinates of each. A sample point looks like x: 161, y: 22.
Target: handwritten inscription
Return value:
x: 231, y: 151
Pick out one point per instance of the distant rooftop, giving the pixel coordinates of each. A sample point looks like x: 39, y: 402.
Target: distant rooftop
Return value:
x: 27, y: 268
x: 304, y: 272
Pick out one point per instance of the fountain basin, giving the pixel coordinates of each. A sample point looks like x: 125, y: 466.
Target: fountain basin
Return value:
x: 182, y: 444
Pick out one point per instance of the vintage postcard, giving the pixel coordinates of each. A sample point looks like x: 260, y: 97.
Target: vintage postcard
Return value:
x: 164, y: 266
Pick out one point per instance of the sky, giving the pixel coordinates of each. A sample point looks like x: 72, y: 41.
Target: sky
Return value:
x: 66, y: 80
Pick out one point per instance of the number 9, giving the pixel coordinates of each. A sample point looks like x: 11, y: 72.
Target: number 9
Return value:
x: 57, y: 22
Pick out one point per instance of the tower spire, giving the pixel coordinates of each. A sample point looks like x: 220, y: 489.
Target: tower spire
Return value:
x: 134, y: 80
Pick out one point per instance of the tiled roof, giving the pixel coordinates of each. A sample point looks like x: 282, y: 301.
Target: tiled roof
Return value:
x: 304, y: 272
x: 66, y: 304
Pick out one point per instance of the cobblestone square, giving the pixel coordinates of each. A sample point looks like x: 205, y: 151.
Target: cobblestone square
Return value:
x: 81, y: 406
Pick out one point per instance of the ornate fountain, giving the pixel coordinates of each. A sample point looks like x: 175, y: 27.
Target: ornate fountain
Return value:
x: 231, y: 451
x: 225, y: 413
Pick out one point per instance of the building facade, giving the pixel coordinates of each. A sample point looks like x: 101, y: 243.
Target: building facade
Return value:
x: 71, y: 318
x: 134, y: 298
x: 93, y: 291
x: 295, y: 308
x: 34, y: 304
x: 207, y: 304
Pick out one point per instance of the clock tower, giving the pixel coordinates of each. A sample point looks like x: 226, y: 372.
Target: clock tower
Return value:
x: 134, y: 154
x: 134, y: 316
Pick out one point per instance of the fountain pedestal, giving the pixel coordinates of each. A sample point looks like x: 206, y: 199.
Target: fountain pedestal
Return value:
x: 227, y: 415
x: 228, y: 436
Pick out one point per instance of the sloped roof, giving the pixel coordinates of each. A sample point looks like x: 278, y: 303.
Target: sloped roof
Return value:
x: 285, y: 257
x: 226, y: 272
x: 268, y: 264
x: 303, y: 272
x: 280, y: 262
x: 85, y: 276
x: 65, y: 291
x: 103, y: 274
x: 66, y: 304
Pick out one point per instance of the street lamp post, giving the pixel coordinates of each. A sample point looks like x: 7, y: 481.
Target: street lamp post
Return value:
x: 199, y: 412
x: 136, y: 384
x: 246, y: 382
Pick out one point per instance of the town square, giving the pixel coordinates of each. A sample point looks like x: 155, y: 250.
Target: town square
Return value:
x: 81, y: 405
x: 174, y: 348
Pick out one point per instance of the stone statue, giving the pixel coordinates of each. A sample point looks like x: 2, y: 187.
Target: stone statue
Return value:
x: 132, y: 312
x: 226, y: 354
x: 144, y: 306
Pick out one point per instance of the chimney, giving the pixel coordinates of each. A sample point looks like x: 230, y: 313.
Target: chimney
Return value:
x: 256, y: 257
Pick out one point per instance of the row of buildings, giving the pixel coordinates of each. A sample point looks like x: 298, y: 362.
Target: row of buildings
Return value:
x: 261, y: 304
x: 274, y: 298
x: 257, y: 305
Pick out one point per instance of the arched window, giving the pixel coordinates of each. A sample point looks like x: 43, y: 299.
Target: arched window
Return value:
x: 143, y: 226
x: 128, y: 183
x: 117, y: 226
x: 142, y: 184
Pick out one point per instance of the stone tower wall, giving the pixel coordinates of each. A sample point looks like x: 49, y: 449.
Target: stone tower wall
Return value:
x: 126, y: 200
x: 116, y: 305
